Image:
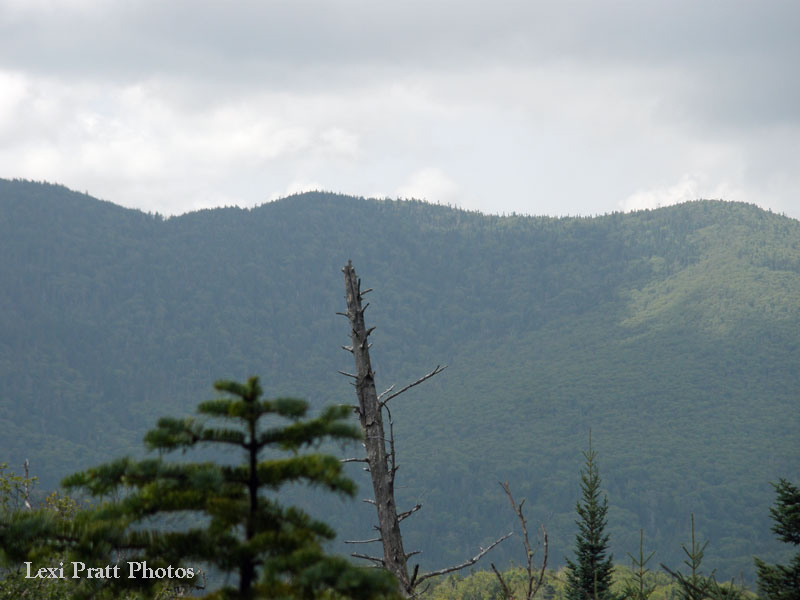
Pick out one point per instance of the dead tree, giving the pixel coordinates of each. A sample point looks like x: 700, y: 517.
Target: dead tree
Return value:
x: 535, y: 580
x: 381, y: 461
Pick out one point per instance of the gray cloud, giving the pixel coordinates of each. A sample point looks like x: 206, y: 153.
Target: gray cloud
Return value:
x: 569, y: 107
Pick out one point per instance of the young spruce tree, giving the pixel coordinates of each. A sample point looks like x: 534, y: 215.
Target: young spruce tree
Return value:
x: 589, y: 575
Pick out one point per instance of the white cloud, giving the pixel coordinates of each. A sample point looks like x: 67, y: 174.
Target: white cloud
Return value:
x: 297, y: 187
x: 430, y: 184
x: 687, y: 188
x: 12, y: 99
x: 682, y: 191
x: 340, y: 143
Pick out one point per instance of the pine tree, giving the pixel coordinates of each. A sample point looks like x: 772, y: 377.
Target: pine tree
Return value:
x: 229, y: 516
x: 781, y: 582
x: 695, y: 585
x: 589, y: 575
x: 637, y: 588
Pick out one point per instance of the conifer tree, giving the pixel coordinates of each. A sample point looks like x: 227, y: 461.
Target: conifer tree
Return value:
x: 637, y: 587
x: 695, y: 585
x: 779, y: 582
x: 589, y: 575
x: 229, y: 516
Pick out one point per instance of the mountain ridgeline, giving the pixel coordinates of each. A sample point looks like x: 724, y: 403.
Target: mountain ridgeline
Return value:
x: 674, y: 334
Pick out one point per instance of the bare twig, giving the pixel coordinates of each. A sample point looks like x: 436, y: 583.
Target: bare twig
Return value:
x: 414, y: 575
x: 534, y: 582
x: 26, y: 486
x: 393, y: 467
x: 421, y: 593
x: 436, y: 371
x: 377, y: 539
x: 506, y: 592
x: 386, y: 391
x: 374, y: 559
x: 544, y: 565
x: 466, y: 564
x: 408, y: 513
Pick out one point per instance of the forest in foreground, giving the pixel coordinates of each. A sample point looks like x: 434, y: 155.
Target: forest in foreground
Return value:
x: 672, y: 334
x: 169, y: 530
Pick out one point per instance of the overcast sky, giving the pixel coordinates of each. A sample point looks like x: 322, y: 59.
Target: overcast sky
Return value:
x: 557, y: 107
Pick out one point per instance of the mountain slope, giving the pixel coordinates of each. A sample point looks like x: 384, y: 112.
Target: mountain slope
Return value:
x: 673, y: 334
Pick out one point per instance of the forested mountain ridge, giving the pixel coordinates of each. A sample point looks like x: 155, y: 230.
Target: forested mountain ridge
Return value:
x: 674, y: 334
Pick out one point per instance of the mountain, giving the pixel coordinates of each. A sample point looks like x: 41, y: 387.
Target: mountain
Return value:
x: 673, y: 334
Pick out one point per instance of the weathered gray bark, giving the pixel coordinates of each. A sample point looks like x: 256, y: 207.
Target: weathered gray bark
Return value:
x: 380, y: 460
x: 371, y: 418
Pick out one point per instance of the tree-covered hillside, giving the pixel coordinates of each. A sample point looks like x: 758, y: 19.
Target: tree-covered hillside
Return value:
x: 674, y: 334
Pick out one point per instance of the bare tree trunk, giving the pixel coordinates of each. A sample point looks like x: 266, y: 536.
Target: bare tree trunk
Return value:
x: 370, y: 415
x: 380, y: 460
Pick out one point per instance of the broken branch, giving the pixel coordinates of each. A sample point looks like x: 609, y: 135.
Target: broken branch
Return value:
x: 466, y: 564
x: 386, y: 391
x: 374, y: 559
x: 27, y: 483
x: 408, y: 513
x: 436, y: 371
x: 416, y: 572
x: 534, y: 583
x: 506, y: 591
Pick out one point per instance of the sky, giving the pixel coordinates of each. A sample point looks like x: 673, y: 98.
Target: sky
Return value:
x: 568, y: 107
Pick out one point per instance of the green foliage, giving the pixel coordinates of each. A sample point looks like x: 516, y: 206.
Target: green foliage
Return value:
x: 477, y: 586
x: 695, y: 585
x: 16, y: 506
x: 654, y: 328
x: 780, y: 582
x: 589, y: 574
x: 637, y: 587
x: 63, y: 506
x: 229, y: 516
x: 14, y: 489
x: 480, y: 586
